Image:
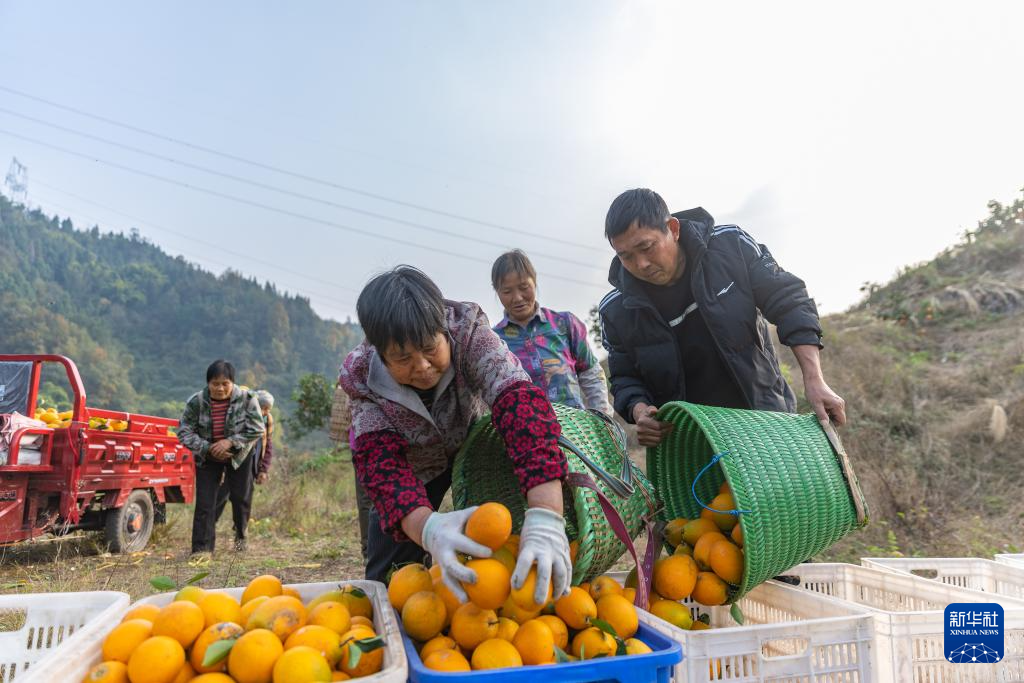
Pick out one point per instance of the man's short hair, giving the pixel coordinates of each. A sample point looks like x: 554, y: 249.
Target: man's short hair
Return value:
x: 644, y: 206
x: 220, y: 369
x: 515, y: 261
x: 402, y: 306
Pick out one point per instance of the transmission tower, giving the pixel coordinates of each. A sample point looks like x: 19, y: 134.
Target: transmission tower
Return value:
x: 16, y: 181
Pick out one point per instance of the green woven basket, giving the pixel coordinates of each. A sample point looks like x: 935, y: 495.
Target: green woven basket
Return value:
x: 483, y: 472
x: 791, y: 480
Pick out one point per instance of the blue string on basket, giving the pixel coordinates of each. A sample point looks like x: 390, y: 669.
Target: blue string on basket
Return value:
x: 693, y: 488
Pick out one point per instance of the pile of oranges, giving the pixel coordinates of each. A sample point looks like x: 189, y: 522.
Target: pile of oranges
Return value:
x: 502, y: 627
x: 269, y: 636
x: 707, y: 560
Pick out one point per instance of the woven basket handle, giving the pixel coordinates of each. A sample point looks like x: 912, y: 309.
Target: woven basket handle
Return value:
x: 643, y: 569
x: 851, y: 479
x: 619, y: 435
x: 623, y: 489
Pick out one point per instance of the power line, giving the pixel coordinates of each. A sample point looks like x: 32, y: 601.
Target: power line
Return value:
x: 294, y: 174
x: 85, y: 219
x: 143, y: 221
x: 267, y: 207
x: 290, y: 193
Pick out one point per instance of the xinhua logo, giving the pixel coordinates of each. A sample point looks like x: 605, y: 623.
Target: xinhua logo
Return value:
x: 974, y: 632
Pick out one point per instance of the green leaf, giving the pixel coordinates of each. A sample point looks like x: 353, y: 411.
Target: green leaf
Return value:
x: 354, y: 654
x: 560, y: 656
x: 163, y: 583
x: 356, y: 591
x: 620, y: 647
x: 705, y: 617
x: 218, y: 650
x: 736, y: 613
x: 358, y: 647
x: 197, y: 578
x: 604, y: 626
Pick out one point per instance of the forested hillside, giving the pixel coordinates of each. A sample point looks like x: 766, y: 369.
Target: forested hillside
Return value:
x: 142, y: 325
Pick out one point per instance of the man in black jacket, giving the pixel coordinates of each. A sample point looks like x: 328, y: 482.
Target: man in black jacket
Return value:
x: 687, y: 318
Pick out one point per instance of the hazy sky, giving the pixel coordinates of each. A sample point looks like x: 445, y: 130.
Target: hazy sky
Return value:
x: 850, y: 139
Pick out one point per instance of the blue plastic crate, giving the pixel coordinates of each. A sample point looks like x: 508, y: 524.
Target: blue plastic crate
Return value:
x: 655, y: 667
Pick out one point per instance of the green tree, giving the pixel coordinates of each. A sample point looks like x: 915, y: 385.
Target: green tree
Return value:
x: 312, y: 398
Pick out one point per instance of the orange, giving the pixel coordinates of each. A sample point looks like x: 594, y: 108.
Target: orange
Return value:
x: 702, y: 550
x: 188, y: 674
x: 212, y: 678
x: 288, y: 590
x: 513, y: 544
x: 360, y: 621
x: 699, y: 625
x: 340, y: 676
x: 301, y: 664
x: 629, y: 594
x: 495, y: 654
x: 674, y: 531
x: 535, y: 643
x: 673, y: 612
x: 724, y: 488
x: 332, y: 615
x: 250, y: 607
x: 674, y: 576
x: 723, y: 501
x: 268, y: 585
x: 505, y: 556
x: 423, y: 615
x: 222, y: 631
x: 446, y: 660
x: 684, y: 548
x: 190, y: 593
x: 631, y: 578
x: 620, y: 614
x: 490, y: 525
x: 523, y: 597
x: 737, y: 535
x: 218, y: 607
x: 726, y: 560
x: 357, y: 601
x: 436, y: 645
x: 593, y: 642
x: 107, y: 672
x: 412, y: 578
x: 635, y: 646
x: 157, y: 660
x: 576, y: 609
x: 510, y: 610
x: 507, y: 629
x: 147, y: 612
x: 492, y: 586
x: 451, y: 603
x: 320, y: 638
x: 695, y: 528
x: 710, y: 590
x: 368, y: 662
x: 283, y: 615
x: 182, y: 620
x: 253, y: 656
x: 558, y: 629
x: 472, y: 626
x: 574, y: 549
x: 604, y: 585
x: 124, y: 638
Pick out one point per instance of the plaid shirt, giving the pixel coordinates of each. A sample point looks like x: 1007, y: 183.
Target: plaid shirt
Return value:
x: 243, y: 425
x: 553, y: 349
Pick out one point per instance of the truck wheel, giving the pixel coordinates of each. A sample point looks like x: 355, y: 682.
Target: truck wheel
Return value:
x: 129, y: 526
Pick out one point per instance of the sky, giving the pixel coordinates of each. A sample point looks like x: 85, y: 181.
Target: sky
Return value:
x: 314, y: 144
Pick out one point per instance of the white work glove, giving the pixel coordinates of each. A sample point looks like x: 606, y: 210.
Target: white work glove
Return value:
x: 542, y: 540
x: 444, y: 536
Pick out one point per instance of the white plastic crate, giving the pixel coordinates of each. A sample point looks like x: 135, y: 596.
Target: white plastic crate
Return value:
x: 909, y: 626
x: 788, y: 636
x: 35, y: 627
x: 394, y: 670
x: 1016, y: 559
x: 964, y: 572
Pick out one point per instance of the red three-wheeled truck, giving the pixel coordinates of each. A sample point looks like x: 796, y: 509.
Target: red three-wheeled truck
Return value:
x: 80, y: 473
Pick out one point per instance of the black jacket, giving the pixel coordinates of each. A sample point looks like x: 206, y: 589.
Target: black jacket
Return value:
x: 736, y: 285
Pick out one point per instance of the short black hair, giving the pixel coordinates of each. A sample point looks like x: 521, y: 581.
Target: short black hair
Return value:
x: 220, y: 368
x: 644, y: 206
x: 401, y: 306
x: 515, y: 261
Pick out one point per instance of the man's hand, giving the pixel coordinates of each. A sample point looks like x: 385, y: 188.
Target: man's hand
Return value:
x: 221, y: 450
x: 825, y: 402
x: 261, y: 478
x: 649, y: 431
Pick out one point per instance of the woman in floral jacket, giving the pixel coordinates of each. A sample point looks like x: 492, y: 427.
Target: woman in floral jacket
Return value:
x: 429, y: 368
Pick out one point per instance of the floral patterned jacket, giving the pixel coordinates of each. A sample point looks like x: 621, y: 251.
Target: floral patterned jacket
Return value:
x: 399, y: 444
